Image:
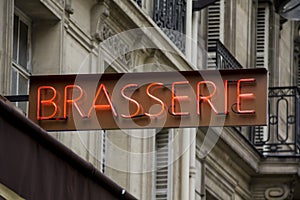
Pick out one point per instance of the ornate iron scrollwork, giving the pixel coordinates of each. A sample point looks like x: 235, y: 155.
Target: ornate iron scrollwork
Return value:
x: 170, y: 16
x: 282, y: 135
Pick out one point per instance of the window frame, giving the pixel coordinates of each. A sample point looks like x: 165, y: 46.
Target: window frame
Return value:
x: 16, y: 67
x: 26, y: 20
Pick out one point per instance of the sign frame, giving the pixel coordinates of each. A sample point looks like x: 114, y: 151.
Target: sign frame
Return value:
x: 149, y: 100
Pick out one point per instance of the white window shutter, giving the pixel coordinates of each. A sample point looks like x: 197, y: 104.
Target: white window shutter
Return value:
x: 262, y: 35
x: 163, y: 169
x: 215, y: 29
x: 262, y: 56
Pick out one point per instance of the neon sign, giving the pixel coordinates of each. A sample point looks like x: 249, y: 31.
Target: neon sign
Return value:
x: 149, y: 100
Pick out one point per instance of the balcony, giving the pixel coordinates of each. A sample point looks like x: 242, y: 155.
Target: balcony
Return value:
x: 170, y: 16
x: 281, y: 138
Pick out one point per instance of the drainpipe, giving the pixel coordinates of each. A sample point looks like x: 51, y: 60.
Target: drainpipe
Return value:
x: 185, y: 164
x: 192, y: 174
x: 202, y: 179
x: 188, y: 47
x: 196, y: 22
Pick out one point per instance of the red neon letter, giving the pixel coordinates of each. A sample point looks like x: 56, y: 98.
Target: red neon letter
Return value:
x: 178, y: 98
x: 246, y: 96
x: 131, y: 100
x: 72, y: 101
x: 155, y: 98
x: 226, y: 97
x: 101, y: 106
x: 205, y: 98
x: 48, y: 102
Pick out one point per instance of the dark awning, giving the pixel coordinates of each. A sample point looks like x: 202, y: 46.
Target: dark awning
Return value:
x: 36, y: 166
x: 200, y: 4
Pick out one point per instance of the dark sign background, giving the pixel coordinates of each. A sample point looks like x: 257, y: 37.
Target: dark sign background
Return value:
x: 104, y: 119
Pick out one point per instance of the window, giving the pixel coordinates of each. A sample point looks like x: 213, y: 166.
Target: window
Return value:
x: 215, y: 23
x: 163, y: 168
x: 262, y: 35
x: 21, y: 57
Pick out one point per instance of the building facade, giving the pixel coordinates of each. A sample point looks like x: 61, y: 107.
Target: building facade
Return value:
x: 43, y: 37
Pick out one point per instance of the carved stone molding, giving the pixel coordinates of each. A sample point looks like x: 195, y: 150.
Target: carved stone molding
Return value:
x: 153, y: 56
x: 102, y: 32
x: 192, y: 171
x: 99, y: 13
x: 137, y: 58
x: 116, y: 46
x: 68, y: 7
x: 280, y: 192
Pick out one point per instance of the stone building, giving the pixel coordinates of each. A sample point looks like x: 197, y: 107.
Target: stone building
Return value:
x: 43, y: 37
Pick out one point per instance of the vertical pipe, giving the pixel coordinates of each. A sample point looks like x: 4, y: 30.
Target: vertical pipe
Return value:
x: 185, y: 164
x: 61, y: 45
x: 196, y: 17
x: 189, y: 6
x: 6, y: 45
x: 296, y: 136
x: 202, y: 179
x: 192, y: 174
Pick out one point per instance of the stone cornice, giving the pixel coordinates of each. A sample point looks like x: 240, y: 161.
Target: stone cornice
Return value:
x: 279, y: 166
x: 242, y: 148
x: 257, y: 164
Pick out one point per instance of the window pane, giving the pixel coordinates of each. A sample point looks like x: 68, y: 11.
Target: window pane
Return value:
x: 15, y: 41
x: 23, y: 85
x: 23, y: 51
x: 23, y: 106
x: 13, y: 81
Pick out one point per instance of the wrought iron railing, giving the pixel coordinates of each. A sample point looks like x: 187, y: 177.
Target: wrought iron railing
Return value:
x: 170, y: 16
x: 224, y: 59
x: 281, y: 137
